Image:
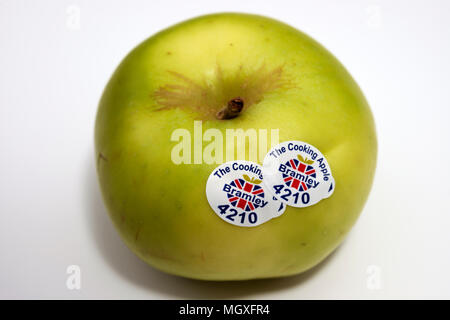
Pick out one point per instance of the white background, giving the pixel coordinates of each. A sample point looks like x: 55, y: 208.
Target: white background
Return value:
x: 52, y: 73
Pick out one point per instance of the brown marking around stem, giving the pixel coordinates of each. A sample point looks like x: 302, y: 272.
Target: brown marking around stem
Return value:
x: 209, y: 97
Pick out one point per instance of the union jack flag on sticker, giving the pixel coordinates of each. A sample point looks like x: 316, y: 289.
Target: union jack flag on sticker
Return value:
x: 247, y: 187
x: 306, y: 170
x: 298, y: 174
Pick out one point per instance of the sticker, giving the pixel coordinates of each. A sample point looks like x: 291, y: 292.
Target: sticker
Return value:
x: 297, y: 174
x: 236, y: 193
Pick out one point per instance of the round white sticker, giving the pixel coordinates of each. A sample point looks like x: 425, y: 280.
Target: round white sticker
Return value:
x: 297, y: 174
x: 236, y: 193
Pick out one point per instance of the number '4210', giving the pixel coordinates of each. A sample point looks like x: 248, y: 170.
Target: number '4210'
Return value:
x: 234, y: 216
x: 286, y: 194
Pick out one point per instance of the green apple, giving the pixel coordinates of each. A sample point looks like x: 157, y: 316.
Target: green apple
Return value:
x: 229, y: 71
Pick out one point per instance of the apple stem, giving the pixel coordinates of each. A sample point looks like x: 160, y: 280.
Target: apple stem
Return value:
x: 231, y: 110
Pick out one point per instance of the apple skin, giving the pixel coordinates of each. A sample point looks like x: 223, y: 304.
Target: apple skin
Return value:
x: 160, y: 208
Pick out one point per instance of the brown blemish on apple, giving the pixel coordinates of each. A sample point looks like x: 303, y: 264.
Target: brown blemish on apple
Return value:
x: 168, y: 53
x: 100, y: 157
x: 159, y: 255
x: 288, y: 267
x: 138, y: 231
x: 208, y: 97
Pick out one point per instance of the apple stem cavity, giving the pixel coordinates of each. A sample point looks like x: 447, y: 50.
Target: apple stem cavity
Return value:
x: 209, y: 97
x: 231, y: 110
